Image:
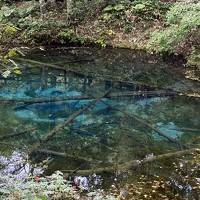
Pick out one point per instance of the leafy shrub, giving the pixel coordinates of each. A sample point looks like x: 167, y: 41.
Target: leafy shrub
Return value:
x: 149, y: 9
x: 66, y: 34
x: 125, y: 14
x: 6, y: 12
x: 181, y: 19
x: 14, y: 13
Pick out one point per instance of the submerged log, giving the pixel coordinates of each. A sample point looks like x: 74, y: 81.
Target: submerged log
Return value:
x: 60, y: 126
x: 84, y: 97
x: 41, y: 64
x: 43, y: 99
x: 132, y: 165
x: 65, y: 155
x: 59, y: 67
x: 3, y: 137
x: 147, y: 124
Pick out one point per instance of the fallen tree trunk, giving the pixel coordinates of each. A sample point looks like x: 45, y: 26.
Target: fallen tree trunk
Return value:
x: 142, y: 93
x: 56, y: 130
x: 59, y: 67
x: 65, y: 155
x: 43, y: 99
x: 3, y: 137
x: 84, y: 97
x: 142, y: 121
x: 132, y: 165
x: 55, y: 66
x: 41, y: 64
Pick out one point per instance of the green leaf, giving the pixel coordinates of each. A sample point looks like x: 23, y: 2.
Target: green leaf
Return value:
x: 10, y: 29
x: 109, y: 8
x: 139, y: 6
x: 17, y: 72
x: 119, y: 7
x: 7, y: 11
x: 11, y: 53
x: 43, y: 197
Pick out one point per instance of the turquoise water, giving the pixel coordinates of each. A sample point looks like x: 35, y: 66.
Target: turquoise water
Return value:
x: 175, y: 116
x: 102, y: 134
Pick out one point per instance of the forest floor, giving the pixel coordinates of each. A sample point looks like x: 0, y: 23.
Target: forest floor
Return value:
x: 119, y: 25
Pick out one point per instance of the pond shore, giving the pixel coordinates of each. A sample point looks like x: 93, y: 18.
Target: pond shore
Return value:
x: 101, y: 25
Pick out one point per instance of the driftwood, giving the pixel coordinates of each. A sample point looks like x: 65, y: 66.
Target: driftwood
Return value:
x: 65, y: 155
x: 3, y: 137
x: 70, y: 119
x: 84, y: 97
x: 134, y: 164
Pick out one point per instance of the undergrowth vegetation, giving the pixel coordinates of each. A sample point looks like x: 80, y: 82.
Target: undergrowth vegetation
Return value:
x: 44, y: 188
x: 160, y: 26
x: 181, y: 32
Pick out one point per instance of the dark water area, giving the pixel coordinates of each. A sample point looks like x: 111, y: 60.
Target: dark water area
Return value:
x: 102, y: 134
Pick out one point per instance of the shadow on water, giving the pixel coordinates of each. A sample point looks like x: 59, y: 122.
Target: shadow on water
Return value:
x: 102, y: 136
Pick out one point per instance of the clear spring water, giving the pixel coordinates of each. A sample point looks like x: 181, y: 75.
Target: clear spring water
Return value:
x: 103, y: 135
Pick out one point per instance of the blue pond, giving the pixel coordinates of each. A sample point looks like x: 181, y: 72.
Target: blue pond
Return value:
x: 105, y: 132
x: 51, y: 112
